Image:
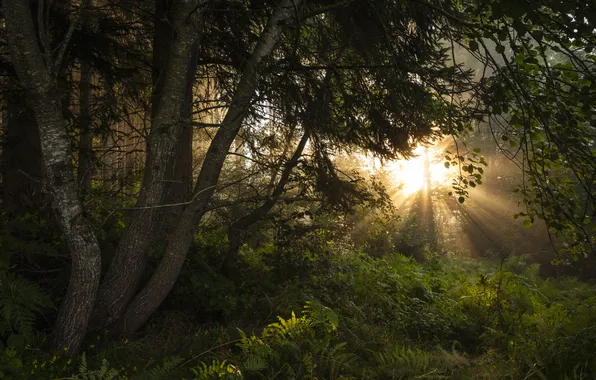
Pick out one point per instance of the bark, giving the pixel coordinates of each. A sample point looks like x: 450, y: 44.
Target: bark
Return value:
x: 43, y: 99
x: 179, y: 175
x: 85, y: 169
x: 121, y: 281
x: 162, y: 40
x: 179, y: 183
x: 237, y: 229
x: 166, y: 274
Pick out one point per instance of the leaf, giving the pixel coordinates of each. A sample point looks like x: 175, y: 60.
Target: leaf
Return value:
x: 473, y: 45
x: 538, y: 35
x: 447, y: 165
x: 502, y: 34
x: 461, y: 199
x: 500, y: 49
x: 527, y: 223
x: 16, y: 341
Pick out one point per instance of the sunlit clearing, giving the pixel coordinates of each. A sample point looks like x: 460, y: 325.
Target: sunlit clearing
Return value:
x: 425, y: 168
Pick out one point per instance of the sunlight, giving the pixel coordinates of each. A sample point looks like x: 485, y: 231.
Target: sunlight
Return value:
x: 413, y: 175
x: 409, y: 175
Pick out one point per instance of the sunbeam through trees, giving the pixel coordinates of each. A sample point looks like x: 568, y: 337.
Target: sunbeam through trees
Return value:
x: 317, y: 189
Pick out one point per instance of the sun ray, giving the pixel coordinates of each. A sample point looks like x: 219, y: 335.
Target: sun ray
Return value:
x: 422, y: 172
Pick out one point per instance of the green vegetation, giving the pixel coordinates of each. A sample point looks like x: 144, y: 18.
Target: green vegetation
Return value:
x: 219, y: 189
x: 328, y: 313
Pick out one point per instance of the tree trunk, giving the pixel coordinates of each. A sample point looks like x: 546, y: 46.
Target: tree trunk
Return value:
x: 121, y: 281
x: 85, y: 169
x: 160, y: 284
x: 237, y: 229
x: 37, y: 79
x: 179, y: 175
x: 179, y: 183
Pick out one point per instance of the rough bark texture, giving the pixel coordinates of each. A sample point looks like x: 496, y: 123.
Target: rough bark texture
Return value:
x: 85, y: 168
x: 237, y: 229
x: 160, y: 284
x: 162, y: 41
x: 21, y: 157
x: 179, y: 186
x: 59, y: 178
x: 179, y: 175
x: 121, y: 281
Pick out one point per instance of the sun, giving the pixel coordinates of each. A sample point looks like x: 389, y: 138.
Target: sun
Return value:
x: 425, y: 169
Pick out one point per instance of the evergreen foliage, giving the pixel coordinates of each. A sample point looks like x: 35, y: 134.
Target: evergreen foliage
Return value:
x: 252, y: 243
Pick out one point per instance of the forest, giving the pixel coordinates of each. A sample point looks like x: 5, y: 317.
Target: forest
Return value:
x: 297, y: 189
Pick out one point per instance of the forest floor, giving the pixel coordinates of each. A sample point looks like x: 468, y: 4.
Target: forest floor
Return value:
x: 356, y: 317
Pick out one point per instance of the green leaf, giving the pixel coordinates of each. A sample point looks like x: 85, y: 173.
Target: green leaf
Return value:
x: 461, y: 199
x: 538, y: 35
x: 500, y: 49
x: 502, y: 34
x: 527, y: 223
x: 446, y: 165
x: 473, y: 45
x: 16, y: 341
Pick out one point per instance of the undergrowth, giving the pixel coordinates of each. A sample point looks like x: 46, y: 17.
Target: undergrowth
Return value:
x: 352, y: 317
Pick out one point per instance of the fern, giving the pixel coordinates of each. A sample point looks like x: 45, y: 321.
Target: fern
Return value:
x: 20, y: 303
x: 254, y: 363
x: 320, y: 314
x: 287, y: 328
x: 403, y: 362
x: 217, y: 370
x: 162, y: 371
x: 105, y: 372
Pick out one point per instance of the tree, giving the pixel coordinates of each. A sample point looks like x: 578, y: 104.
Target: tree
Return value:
x: 39, y: 78
x: 538, y: 104
x: 380, y: 80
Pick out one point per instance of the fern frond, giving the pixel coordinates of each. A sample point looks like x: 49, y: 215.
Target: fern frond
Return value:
x: 21, y: 302
x: 163, y: 370
x: 105, y: 372
x: 254, y: 363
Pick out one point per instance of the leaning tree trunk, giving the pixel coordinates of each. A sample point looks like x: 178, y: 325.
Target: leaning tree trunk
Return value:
x: 237, y: 229
x: 179, y: 174
x: 162, y: 281
x: 40, y: 84
x: 121, y: 281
